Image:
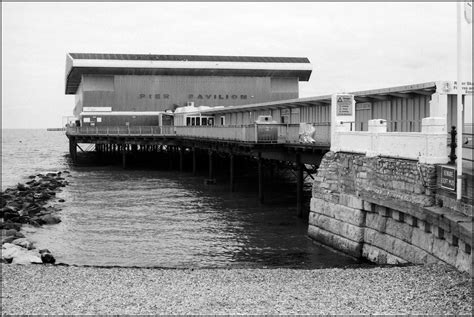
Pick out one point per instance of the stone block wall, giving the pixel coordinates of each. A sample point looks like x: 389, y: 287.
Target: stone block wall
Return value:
x: 383, y: 209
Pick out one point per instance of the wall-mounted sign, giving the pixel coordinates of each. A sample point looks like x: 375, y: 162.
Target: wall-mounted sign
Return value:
x: 97, y: 109
x: 448, y: 178
x: 364, y: 106
x: 196, y: 96
x: 452, y: 88
x: 344, y: 105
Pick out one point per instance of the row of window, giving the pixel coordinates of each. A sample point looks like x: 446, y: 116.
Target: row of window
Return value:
x: 199, y: 120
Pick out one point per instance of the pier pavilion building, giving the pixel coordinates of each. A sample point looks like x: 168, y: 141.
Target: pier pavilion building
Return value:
x: 133, y: 89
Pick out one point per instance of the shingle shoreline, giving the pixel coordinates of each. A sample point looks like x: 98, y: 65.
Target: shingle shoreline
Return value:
x: 38, y: 289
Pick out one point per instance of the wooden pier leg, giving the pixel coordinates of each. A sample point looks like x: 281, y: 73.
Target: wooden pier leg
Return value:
x: 260, y: 178
x: 124, y: 156
x: 194, y: 161
x: 210, y: 164
x: 231, y: 169
x: 299, y: 186
x: 181, y: 159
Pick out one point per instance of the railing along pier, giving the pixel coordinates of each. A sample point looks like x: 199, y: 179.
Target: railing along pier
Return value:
x: 254, y: 133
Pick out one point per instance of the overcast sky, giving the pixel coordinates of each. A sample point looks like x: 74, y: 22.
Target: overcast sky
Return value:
x: 352, y: 46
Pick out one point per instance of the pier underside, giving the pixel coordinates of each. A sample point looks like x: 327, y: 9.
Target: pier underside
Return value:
x: 302, y: 159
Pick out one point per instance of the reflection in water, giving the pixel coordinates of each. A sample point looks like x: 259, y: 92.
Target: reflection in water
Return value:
x: 155, y: 218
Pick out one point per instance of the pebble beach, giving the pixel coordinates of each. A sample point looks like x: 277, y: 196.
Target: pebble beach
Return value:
x: 49, y: 289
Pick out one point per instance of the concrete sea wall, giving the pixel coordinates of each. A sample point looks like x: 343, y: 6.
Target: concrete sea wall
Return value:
x: 384, y: 210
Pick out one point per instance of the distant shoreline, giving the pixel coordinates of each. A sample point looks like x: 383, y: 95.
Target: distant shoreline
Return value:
x: 41, y: 128
x: 56, y: 129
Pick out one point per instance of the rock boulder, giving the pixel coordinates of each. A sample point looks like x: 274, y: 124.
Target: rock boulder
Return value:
x: 23, y: 242
x: 50, y: 219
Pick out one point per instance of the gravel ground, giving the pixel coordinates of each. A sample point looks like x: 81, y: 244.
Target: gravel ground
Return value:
x: 39, y: 289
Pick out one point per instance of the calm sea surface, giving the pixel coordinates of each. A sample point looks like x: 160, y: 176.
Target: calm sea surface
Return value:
x: 156, y: 218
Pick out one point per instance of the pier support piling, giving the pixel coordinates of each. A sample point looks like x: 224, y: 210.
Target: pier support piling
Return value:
x: 299, y: 186
x: 181, y: 159
x: 169, y: 150
x: 73, y: 149
x: 231, y: 176
x: 260, y: 177
x: 194, y: 161
x: 210, y: 164
x: 124, y: 157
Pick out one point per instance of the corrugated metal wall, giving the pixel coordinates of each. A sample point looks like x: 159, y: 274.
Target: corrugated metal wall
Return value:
x: 315, y: 114
x: 159, y: 93
x: 309, y: 114
x: 402, y: 114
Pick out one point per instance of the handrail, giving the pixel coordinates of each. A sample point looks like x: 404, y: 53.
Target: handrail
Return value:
x: 255, y: 133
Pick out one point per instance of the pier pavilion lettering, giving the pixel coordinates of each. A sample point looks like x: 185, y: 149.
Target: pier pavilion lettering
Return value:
x: 219, y: 97
x: 154, y: 96
x: 194, y: 96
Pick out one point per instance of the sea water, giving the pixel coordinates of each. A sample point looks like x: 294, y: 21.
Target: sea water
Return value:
x: 153, y: 217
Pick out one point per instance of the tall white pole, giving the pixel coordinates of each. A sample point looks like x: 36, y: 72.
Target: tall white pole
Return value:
x: 459, y: 103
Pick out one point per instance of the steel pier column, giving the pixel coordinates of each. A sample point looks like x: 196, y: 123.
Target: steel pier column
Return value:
x: 181, y: 160
x: 169, y: 149
x: 73, y: 149
x: 210, y: 164
x: 124, y: 156
x: 231, y: 169
x: 194, y: 161
x: 299, y: 186
x: 260, y: 178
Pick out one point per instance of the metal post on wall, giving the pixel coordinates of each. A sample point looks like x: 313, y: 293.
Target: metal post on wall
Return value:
x: 453, y: 145
x: 459, y: 101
